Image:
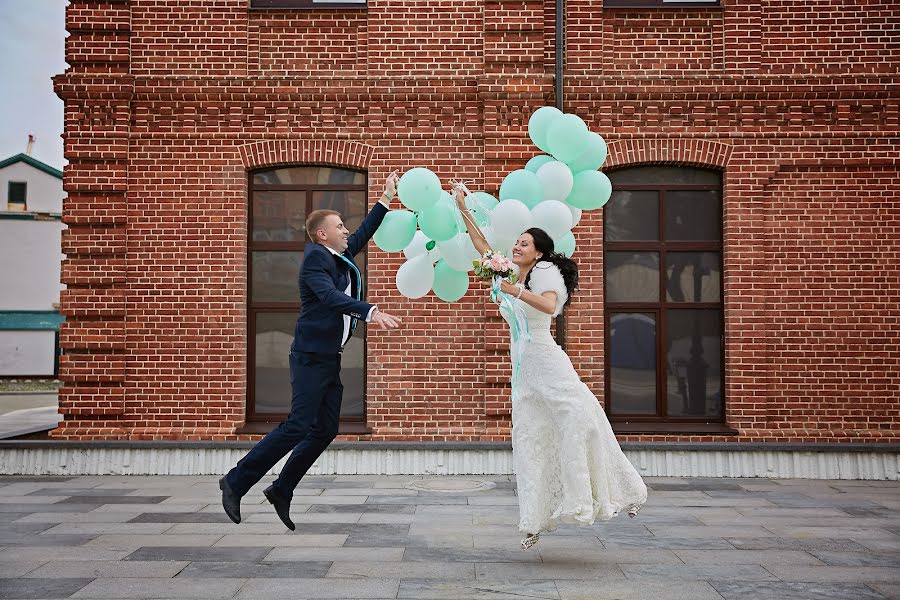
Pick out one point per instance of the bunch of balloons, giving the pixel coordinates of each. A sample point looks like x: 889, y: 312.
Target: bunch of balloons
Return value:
x: 550, y: 192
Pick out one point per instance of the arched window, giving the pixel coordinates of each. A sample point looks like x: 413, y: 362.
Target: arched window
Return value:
x: 663, y: 296
x: 280, y: 201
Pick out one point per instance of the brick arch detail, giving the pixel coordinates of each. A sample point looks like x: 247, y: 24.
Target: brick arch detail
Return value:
x: 684, y: 152
x: 336, y: 153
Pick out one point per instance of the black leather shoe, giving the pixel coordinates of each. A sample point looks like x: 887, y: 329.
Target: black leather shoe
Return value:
x: 282, y: 506
x: 231, y: 502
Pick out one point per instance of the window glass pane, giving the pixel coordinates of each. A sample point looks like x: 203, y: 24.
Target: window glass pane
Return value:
x: 353, y: 374
x: 694, y: 362
x: 309, y: 176
x: 632, y: 363
x: 351, y: 205
x: 694, y: 215
x: 17, y: 192
x: 664, y: 175
x: 279, y: 216
x: 693, y: 276
x: 275, y: 276
x: 632, y: 276
x: 632, y: 216
x: 272, y: 378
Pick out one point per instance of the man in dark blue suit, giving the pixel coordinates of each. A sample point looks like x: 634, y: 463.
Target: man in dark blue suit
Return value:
x: 331, y: 292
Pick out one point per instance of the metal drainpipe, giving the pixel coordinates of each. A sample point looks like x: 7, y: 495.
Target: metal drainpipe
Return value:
x: 560, y: 59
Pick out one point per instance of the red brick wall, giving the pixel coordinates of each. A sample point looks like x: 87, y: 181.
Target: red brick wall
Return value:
x: 169, y: 104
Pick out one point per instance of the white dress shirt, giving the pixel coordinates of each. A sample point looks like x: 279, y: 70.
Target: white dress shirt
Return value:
x: 347, y: 291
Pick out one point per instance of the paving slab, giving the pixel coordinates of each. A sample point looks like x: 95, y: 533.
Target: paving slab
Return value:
x: 355, y: 589
x: 403, y: 569
x: 256, y: 570
x: 336, y: 554
x: 708, y: 572
x: 108, y: 568
x: 427, y: 589
x: 276, y: 541
x: 888, y: 590
x: 858, y: 559
x: 748, y: 557
x: 835, y: 574
x: 18, y: 568
x: 198, y: 553
x: 743, y: 590
x: 592, y: 589
x: 173, y: 588
x: 20, y: 589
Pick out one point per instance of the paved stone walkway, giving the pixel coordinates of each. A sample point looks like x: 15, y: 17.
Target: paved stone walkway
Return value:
x: 373, y: 537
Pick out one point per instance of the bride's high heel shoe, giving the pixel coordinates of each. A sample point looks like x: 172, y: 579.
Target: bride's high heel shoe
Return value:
x: 530, y: 540
x: 633, y: 511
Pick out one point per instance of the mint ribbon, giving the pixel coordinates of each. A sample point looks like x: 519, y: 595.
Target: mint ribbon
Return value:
x: 518, y: 328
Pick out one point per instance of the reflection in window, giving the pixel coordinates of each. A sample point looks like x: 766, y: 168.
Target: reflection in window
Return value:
x: 632, y: 361
x: 632, y: 276
x: 693, y: 362
x: 693, y: 215
x: 693, y: 277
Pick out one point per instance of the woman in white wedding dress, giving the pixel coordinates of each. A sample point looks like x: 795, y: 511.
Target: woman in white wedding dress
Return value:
x: 568, y: 464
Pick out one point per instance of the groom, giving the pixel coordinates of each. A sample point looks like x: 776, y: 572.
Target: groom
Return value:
x: 331, y: 291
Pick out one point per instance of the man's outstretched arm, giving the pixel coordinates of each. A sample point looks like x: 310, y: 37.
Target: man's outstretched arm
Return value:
x: 358, y: 240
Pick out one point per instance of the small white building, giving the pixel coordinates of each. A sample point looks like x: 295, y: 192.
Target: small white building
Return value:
x: 30, y: 259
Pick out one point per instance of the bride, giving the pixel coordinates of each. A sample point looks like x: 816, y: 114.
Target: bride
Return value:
x: 569, y: 467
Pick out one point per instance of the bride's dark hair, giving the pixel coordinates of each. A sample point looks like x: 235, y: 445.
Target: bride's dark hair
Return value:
x: 543, y: 243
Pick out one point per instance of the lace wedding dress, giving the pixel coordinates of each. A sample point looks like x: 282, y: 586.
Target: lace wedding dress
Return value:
x: 568, y: 464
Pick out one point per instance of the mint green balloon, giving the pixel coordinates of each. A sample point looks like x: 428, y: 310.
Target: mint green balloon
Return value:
x: 592, y: 158
x: 565, y: 244
x: 537, y: 162
x: 418, y: 189
x: 396, y: 231
x: 524, y: 186
x: 482, y: 207
x: 438, y: 222
x: 449, y: 285
x: 539, y: 124
x: 590, y: 190
x: 568, y: 137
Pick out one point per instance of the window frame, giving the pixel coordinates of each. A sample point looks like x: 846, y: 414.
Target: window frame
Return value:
x: 9, y: 193
x: 661, y: 421
x: 664, y: 4
x: 263, y: 422
x: 308, y: 4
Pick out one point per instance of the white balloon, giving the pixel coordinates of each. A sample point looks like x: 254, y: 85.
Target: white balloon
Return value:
x: 457, y: 253
x: 417, y: 247
x: 576, y: 214
x: 510, y: 218
x: 415, y: 277
x: 497, y: 243
x: 552, y: 216
x: 556, y: 178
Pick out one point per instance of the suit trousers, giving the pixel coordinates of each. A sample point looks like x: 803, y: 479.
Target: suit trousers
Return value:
x: 308, y: 430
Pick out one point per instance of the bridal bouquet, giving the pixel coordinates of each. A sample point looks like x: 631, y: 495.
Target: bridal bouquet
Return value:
x: 494, y: 264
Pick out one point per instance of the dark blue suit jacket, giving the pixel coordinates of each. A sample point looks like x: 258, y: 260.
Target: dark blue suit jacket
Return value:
x: 323, y: 279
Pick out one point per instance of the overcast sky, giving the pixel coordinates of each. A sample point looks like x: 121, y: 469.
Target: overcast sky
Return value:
x: 32, y: 40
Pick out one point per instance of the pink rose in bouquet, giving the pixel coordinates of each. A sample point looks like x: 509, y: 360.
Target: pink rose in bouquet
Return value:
x: 493, y: 264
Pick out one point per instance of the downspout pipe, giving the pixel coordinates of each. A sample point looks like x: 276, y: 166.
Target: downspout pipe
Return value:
x: 559, y: 55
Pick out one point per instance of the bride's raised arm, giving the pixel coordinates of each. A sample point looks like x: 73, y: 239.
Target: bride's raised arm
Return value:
x: 480, y: 242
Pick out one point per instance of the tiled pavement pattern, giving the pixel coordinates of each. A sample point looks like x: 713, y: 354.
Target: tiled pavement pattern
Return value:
x: 371, y: 537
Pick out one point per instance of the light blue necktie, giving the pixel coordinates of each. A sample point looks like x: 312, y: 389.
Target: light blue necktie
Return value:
x: 354, y: 320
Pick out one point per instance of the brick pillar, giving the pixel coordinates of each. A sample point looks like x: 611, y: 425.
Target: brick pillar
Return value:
x: 96, y: 90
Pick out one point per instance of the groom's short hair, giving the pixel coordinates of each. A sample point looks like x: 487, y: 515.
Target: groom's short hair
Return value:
x: 315, y: 219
